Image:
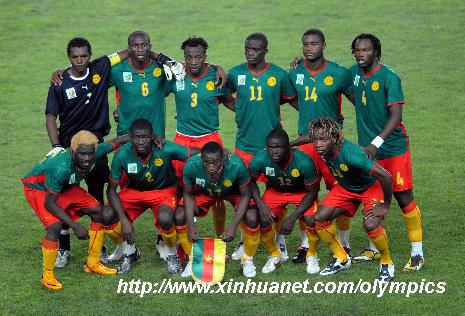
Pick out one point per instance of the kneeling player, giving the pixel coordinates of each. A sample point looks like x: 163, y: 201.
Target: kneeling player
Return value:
x: 359, y: 180
x: 152, y: 184
x: 291, y: 179
x: 209, y: 178
x: 52, y: 190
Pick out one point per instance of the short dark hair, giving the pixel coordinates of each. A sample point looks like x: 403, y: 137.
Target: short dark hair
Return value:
x: 194, y: 42
x: 278, y: 133
x: 316, y: 32
x: 259, y: 37
x: 141, y: 124
x: 138, y: 33
x: 79, y: 42
x: 374, y: 41
x: 212, y: 148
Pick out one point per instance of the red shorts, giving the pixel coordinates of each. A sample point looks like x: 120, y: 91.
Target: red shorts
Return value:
x: 247, y: 157
x: 277, y: 201
x: 400, y: 167
x: 339, y: 197
x: 320, y: 165
x: 190, y: 141
x: 136, y: 202
x: 204, y: 202
x: 72, y: 200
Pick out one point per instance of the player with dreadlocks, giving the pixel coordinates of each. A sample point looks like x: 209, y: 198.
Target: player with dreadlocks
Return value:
x: 360, y: 179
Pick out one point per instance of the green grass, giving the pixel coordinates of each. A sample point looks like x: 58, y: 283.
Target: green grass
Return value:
x: 422, y: 40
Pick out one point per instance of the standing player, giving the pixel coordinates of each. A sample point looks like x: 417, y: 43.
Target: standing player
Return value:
x: 81, y: 103
x: 52, y: 190
x: 378, y: 108
x: 292, y: 179
x: 210, y: 177
x: 151, y: 184
x: 320, y: 84
x: 197, y: 98
x: 359, y: 180
x: 261, y: 87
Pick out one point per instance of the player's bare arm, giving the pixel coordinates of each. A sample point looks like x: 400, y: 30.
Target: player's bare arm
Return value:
x: 395, y: 118
x: 307, y: 201
x: 385, y: 179
x: 300, y: 140
x: 126, y: 226
x: 52, y: 207
x: 230, y: 233
x: 266, y: 215
x: 229, y: 102
x: 189, y: 207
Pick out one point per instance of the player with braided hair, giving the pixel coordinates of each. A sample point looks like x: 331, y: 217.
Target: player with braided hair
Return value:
x: 360, y: 179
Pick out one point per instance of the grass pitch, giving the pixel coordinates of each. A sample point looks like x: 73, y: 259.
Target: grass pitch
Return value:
x: 422, y: 40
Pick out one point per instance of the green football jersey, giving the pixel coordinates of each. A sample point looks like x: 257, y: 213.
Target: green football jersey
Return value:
x: 233, y: 176
x: 351, y: 168
x: 299, y: 171
x: 153, y: 173
x: 197, y: 101
x: 374, y: 94
x: 258, y: 103
x: 142, y: 95
x: 58, y: 172
x: 319, y: 94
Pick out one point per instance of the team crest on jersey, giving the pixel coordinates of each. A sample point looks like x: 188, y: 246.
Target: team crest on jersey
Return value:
x: 227, y: 183
x: 271, y: 81
x: 344, y: 167
x: 328, y: 80
x: 96, y: 79
x: 300, y: 79
x: 157, y: 72
x: 356, y: 80
x: 72, y: 178
x: 158, y: 162
x: 269, y: 171
x: 127, y: 76
x: 375, y: 86
x: 200, y: 182
x: 210, y: 86
x: 295, y: 173
x: 71, y: 93
x: 132, y: 167
x: 180, y: 85
x: 241, y: 80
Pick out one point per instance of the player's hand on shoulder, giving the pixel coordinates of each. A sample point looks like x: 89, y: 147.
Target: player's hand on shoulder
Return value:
x: 56, y: 149
x: 296, y: 62
x: 57, y: 77
x: 221, y: 77
x: 158, y: 141
x: 171, y: 67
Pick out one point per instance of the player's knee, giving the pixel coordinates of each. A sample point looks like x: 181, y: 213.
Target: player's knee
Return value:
x: 309, y: 221
x: 404, y: 198
x: 165, y: 218
x: 180, y: 216
x: 251, y: 218
x: 371, y: 224
x: 323, y: 214
x: 53, y: 231
x: 108, y: 215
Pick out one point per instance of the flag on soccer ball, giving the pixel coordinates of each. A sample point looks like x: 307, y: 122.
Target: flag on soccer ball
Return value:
x: 208, y: 260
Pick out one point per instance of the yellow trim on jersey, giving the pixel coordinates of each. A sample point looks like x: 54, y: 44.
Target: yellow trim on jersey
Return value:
x: 114, y: 59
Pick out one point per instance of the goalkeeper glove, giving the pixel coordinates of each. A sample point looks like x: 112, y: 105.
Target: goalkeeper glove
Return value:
x: 54, y: 151
x: 171, y: 67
